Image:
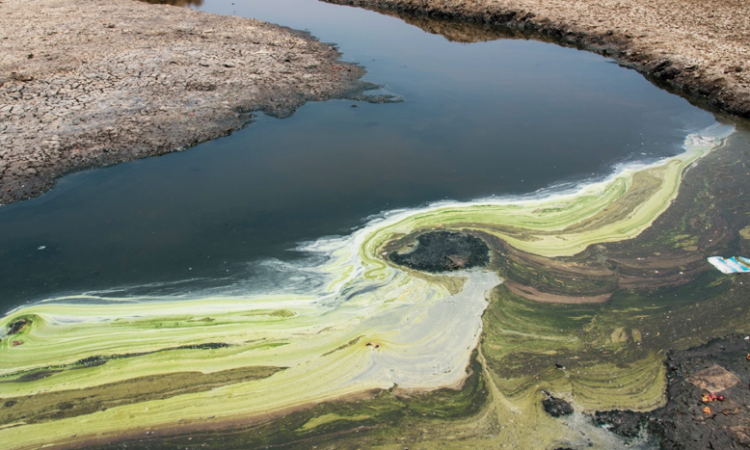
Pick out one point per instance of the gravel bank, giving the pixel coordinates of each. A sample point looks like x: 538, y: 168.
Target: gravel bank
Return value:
x: 86, y: 83
x: 700, y: 48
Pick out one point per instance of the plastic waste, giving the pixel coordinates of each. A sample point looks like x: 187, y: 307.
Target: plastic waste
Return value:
x: 735, y: 264
x: 709, y: 397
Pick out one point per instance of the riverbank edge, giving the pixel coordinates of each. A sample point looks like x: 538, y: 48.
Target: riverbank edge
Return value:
x: 672, y: 74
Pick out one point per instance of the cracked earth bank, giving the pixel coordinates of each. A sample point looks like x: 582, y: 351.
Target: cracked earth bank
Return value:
x: 85, y: 83
x: 700, y: 48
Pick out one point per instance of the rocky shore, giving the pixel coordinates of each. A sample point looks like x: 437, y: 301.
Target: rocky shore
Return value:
x: 86, y: 83
x: 700, y: 49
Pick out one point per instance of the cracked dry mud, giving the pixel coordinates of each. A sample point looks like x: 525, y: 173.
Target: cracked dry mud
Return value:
x: 86, y: 83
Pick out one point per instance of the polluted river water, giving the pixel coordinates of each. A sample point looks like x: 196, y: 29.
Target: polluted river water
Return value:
x: 244, y: 293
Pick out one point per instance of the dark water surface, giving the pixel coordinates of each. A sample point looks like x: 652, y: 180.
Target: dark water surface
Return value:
x: 492, y: 118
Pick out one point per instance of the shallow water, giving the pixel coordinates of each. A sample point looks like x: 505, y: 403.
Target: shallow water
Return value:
x: 490, y: 118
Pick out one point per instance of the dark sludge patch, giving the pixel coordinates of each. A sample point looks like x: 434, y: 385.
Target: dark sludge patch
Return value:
x: 99, y: 360
x: 627, y: 424
x: 18, y: 326
x: 91, y: 361
x: 556, y: 407
x: 206, y: 346
x: 34, y: 376
x: 441, y: 251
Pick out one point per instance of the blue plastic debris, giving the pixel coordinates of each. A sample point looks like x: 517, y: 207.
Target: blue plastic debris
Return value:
x: 735, y: 264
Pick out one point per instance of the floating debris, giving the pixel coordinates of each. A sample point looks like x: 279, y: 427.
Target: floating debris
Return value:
x: 709, y: 397
x: 735, y: 264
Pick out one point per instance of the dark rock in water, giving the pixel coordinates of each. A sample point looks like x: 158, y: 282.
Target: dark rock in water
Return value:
x: 556, y: 407
x: 441, y: 251
x: 623, y: 423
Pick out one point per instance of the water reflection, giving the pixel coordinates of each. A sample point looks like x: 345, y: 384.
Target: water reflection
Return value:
x: 454, y: 31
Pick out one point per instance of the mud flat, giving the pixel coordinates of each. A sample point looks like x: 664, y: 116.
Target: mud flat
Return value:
x: 85, y: 83
x: 699, y: 49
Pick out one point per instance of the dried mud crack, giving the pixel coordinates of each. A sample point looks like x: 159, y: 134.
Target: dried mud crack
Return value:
x: 86, y: 83
x: 697, y: 49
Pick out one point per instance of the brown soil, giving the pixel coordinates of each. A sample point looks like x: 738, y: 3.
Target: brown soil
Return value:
x: 700, y: 48
x: 86, y: 83
x: 536, y: 295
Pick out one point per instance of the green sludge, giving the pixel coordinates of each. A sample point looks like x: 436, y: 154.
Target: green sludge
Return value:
x: 630, y: 239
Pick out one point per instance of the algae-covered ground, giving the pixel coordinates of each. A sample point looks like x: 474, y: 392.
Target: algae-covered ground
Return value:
x: 580, y: 296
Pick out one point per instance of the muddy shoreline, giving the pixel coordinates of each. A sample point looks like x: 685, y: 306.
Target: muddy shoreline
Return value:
x: 87, y: 84
x: 702, y: 54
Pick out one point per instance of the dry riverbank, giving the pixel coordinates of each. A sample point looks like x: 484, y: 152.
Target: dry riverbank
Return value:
x: 698, y: 48
x: 85, y: 83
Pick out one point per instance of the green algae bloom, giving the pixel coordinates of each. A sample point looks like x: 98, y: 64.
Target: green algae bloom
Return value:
x: 464, y: 355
